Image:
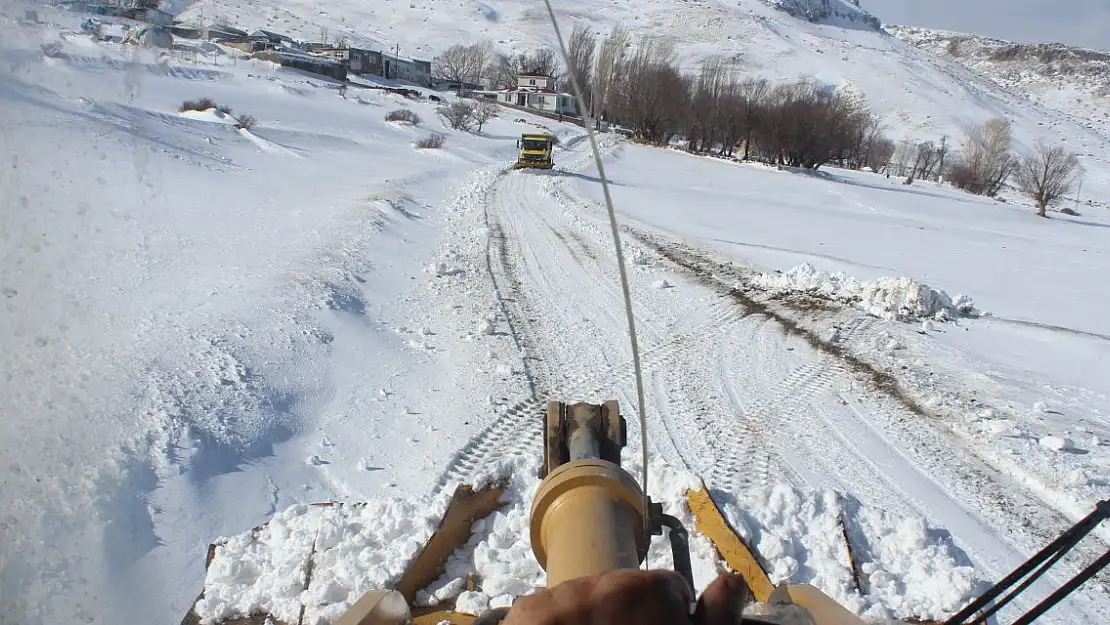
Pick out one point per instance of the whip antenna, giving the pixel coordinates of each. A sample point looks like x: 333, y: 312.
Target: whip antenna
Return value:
x: 620, y: 258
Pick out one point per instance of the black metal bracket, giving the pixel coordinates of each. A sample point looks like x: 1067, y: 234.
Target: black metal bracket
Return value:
x: 679, y: 537
x: 978, y: 611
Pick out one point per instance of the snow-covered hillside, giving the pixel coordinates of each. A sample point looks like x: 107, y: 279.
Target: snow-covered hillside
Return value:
x: 203, y: 327
x: 845, y: 13
x: 917, y: 93
x: 1074, y: 81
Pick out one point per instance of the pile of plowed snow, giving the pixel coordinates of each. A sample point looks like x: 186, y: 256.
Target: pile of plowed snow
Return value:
x: 895, y: 298
x: 905, y: 570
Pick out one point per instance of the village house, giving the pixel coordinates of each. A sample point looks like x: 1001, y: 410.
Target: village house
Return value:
x: 268, y: 40
x: 537, y: 91
x: 222, y: 33
x: 411, y: 70
x: 357, y: 60
x: 314, y: 63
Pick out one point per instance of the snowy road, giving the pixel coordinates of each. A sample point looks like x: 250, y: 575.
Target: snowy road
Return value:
x: 731, y: 395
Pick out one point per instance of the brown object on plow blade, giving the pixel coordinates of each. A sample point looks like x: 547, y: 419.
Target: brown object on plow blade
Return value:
x: 732, y: 549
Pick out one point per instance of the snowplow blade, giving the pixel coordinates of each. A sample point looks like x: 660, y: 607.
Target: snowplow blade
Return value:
x: 530, y: 165
x: 732, y: 549
x: 741, y: 558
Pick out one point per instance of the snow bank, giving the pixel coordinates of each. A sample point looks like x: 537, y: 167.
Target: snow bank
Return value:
x: 209, y: 115
x: 900, y: 298
x: 904, y: 569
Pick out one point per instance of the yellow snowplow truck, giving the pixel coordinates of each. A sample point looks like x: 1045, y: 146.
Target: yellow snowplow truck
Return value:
x: 535, y: 151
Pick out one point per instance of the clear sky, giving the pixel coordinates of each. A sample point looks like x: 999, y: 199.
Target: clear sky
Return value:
x: 1073, y: 22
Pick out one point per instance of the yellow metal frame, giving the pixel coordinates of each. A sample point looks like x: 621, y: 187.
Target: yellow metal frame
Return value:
x: 712, y: 524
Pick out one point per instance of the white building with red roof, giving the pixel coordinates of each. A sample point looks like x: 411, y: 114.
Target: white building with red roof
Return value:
x: 537, y: 91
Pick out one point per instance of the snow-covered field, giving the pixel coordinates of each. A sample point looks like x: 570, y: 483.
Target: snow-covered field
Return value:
x: 203, y: 326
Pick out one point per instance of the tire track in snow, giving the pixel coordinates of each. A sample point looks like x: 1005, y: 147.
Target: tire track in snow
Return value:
x: 891, y: 454
x: 517, y: 430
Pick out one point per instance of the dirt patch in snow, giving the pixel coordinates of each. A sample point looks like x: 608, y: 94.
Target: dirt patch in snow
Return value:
x: 753, y: 302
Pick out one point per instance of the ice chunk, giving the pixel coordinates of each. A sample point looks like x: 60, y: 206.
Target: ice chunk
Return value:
x: 487, y: 326
x: 1055, y: 443
x: 470, y: 602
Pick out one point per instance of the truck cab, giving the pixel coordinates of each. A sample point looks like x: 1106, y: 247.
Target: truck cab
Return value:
x: 535, y: 151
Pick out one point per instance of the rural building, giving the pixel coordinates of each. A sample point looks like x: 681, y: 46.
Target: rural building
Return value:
x: 537, y: 91
x: 315, y: 64
x: 357, y: 60
x: 455, y: 85
x: 411, y: 70
x: 223, y: 32
x: 262, y: 40
x: 534, y: 80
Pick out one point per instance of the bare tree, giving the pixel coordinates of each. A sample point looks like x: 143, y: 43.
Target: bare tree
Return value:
x: 878, y: 157
x: 457, y: 115
x: 580, y: 51
x: 609, y: 58
x: 927, y: 157
x: 903, y: 157
x: 651, y: 94
x: 540, y: 61
x: 462, y: 64
x: 499, y: 72
x: 753, y: 102
x: 484, y: 111
x: 1047, y: 174
x: 706, y: 122
x: 987, y: 161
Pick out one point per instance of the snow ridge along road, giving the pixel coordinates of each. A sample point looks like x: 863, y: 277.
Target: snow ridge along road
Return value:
x: 742, y: 389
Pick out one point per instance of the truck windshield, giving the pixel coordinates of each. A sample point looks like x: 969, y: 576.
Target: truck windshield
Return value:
x: 534, y: 144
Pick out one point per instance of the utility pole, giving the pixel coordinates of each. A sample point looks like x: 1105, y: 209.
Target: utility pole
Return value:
x: 943, y: 152
x: 1077, y: 192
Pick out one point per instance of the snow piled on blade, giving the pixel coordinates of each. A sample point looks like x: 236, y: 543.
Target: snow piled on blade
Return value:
x: 346, y: 549
x: 905, y: 570
x: 326, y: 557
x: 892, y: 298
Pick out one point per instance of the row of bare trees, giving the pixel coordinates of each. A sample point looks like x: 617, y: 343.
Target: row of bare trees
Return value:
x: 918, y: 161
x: 642, y: 88
x: 987, y: 162
x: 796, y: 124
